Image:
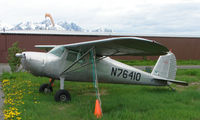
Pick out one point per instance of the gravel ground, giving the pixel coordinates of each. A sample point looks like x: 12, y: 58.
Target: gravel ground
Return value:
x: 1, y: 102
x: 4, y: 67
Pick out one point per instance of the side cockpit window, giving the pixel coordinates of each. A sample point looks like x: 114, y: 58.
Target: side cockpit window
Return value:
x: 58, y: 51
x: 72, y: 56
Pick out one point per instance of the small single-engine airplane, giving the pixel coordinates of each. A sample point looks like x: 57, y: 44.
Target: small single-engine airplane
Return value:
x: 78, y: 61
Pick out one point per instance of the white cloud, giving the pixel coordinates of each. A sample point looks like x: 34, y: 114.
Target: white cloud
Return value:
x: 133, y: 16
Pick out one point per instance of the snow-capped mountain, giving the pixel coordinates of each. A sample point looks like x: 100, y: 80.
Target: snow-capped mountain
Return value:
x: 24, y: 26
x: 44, y: 25
x: 47, y: 25
x: 70, y: 26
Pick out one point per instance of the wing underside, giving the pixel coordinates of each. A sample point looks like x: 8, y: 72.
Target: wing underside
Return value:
x: 117, y: 47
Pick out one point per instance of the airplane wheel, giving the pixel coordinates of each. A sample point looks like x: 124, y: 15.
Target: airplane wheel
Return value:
x: 44, y: 88
x: 62, y: 96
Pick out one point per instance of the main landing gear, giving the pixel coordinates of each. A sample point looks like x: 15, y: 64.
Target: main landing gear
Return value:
x: 47, y: 88
x: 61, y: 95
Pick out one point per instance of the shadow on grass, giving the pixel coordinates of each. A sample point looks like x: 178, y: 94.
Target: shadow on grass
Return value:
x: 114, y: 107
x: 158, y: 90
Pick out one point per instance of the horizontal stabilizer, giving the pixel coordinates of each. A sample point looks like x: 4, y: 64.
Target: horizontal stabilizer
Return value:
x: 172, y: 81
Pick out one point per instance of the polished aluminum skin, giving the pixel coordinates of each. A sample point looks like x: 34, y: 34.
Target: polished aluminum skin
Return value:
x: 54, y: 63
x: 108, y: 70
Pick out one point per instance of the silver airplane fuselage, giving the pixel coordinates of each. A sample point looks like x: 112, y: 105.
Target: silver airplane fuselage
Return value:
x: 52, y: 64
x: 88, y: 61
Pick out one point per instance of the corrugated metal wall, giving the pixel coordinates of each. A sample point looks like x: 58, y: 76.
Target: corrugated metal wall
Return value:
x: 183, y: 47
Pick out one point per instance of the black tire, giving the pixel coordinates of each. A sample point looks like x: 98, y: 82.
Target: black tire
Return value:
x: 62, y: 96
x: 45, y: 88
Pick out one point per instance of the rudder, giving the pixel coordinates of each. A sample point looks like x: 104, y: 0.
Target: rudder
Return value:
x: 166, y: 66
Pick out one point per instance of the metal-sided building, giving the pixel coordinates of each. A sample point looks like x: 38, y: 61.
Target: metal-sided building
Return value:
x: 184, y: 47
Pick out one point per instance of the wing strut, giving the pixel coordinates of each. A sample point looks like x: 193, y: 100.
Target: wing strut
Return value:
x: 76, y: 61
x: 92, y: 52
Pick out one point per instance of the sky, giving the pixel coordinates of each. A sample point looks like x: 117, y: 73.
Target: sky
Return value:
x: 123, y: 16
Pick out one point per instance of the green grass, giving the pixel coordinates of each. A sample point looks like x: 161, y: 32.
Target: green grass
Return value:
x: 119, y: 102
x: 188, y: 75
x: 153, y: 62
x: 139, y: 62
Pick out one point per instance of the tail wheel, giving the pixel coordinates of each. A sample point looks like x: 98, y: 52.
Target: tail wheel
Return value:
x: 45, y: 88
x: 62, y: 96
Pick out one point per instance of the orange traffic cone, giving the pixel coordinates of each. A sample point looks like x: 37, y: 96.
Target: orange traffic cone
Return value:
x: 97, y: 111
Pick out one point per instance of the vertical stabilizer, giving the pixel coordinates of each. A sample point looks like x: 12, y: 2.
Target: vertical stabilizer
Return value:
x: 166, y: 66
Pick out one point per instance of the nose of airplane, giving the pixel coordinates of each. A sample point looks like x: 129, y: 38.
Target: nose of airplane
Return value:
x: 18, y: 55
x: 23, y: 59
x: 32, y: 61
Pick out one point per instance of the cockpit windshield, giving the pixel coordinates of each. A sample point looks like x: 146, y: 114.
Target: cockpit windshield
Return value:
x: 58, y: 51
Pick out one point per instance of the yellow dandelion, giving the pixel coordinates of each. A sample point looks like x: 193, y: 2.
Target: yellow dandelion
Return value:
x: 18, y: 118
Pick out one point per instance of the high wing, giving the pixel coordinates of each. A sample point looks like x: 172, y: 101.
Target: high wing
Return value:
x: 46, y: 47
x: 117, y: 47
